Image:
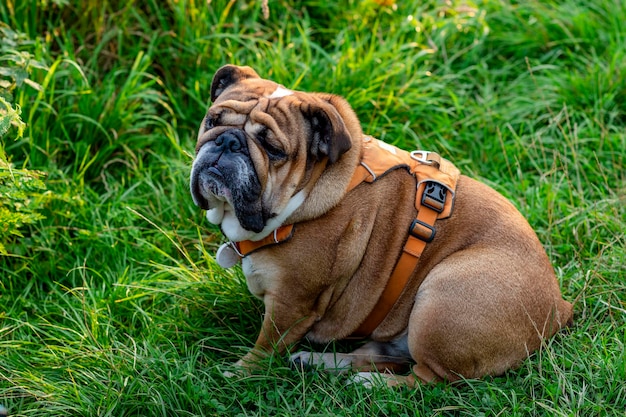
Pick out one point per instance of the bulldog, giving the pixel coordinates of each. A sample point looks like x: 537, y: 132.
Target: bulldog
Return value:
x: 342, y: 235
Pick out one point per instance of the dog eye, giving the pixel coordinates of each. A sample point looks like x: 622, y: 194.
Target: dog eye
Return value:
x: 273, y: 152
x: 210, y: 122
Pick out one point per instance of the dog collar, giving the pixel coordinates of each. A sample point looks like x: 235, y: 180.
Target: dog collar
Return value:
x: 230, y: 253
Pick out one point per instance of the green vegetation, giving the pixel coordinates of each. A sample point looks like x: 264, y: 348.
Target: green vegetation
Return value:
x: 110, y: 300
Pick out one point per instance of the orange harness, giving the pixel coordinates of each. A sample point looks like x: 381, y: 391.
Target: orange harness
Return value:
x: 436, y: 182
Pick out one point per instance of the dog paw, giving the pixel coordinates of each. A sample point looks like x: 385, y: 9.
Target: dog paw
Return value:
x: 332, y: 362
x: 301, y: 360
x: 367, y: 379
x: 228, y: 374
x: 238, y: 369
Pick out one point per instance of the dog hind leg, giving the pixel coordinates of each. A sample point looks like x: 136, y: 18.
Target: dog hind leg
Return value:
x: 392, y: 356
x: 421, y: 373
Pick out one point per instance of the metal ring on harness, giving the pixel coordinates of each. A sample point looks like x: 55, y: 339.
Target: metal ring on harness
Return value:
x: 427, y: 158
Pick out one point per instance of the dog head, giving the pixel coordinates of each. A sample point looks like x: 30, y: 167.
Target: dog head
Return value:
x: 262, y: 149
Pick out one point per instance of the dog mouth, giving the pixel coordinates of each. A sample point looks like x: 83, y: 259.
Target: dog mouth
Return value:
x: 208, y: 186
x: 216, y: 183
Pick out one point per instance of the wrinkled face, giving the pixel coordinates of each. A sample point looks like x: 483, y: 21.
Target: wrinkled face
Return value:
x: 257, y: 148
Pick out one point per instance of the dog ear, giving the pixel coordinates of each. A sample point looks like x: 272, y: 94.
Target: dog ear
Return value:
x: 329, y: 136
x: 227, y: 76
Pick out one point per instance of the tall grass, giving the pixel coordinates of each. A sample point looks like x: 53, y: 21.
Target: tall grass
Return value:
x: 111, y: 302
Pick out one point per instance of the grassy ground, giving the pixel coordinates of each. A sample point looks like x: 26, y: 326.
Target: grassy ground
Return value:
x: 110, y: 301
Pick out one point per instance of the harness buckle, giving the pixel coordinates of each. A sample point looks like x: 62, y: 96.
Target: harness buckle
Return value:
x: 434, y: 196
x: 422, y: 231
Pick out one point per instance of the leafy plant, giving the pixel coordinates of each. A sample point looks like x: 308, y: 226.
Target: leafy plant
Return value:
x: 22, y: 196
x: 15, y: 65
x: 22, y: 191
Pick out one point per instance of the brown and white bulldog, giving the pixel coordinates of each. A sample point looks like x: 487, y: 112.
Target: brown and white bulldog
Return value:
x: 276, y: 169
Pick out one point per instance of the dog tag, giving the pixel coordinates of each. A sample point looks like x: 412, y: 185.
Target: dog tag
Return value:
x: 226, y: 256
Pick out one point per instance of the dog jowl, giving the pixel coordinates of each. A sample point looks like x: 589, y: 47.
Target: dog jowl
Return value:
x: 341, y: 234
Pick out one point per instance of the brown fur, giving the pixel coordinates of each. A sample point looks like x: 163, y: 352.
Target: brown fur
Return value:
x: 489, y: 294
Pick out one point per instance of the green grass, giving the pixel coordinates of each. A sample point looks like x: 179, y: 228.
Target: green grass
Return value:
x: 112, y: 304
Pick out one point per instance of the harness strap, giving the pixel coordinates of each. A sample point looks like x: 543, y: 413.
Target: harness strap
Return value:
x: 436, y: 179
x: 421, y: 232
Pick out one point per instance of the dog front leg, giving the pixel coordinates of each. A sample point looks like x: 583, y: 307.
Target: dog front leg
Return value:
x: 283, y: 325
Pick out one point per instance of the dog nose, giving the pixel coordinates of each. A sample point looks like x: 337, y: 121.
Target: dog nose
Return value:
x: 231, y: 140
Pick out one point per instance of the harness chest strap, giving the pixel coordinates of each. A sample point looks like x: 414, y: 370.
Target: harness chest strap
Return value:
x: 422, y: 231
x: 436, y: 182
